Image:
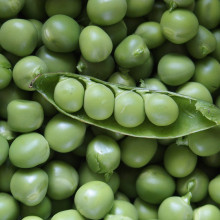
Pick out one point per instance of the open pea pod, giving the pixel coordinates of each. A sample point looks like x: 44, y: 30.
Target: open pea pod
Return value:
x: 194, y: 115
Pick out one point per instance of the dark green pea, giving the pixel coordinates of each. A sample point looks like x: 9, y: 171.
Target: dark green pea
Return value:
x: 137, y: 152
x: 195, y: 90
x: 151, y: 32
x: 70, y: 8
x: 179, y: 26
x: 68, y: 215
x: 154, y: 84
x: 154, y: 184
x: 129, y: 109
x: 64, y: 134
x: 61, y: 205
x: 29, y: 150
x: 206, y: 212
x: 205, y: 143
x: 26, y: 37
x: 42, y: 210
x: 131, y: 52
x: 159, y: 7
x: 29, y: 186
x: 13, y: 59
x: 103, y: 12
x: 24, y: 115
x: 132, y: 23
x: 98, y: 101
x: 101, y: 70
x: 207, y: 12
x: 116, y: 217
x: 199, y: 185
x: 145, y: 210
x: 94, y: 199
x: 138, y: 8
x: 26, y: 69
x: 57, y: 62
x: 216, y: 52
x: 69, y: 94
x: 38, y: 25
x: 4, y: 149
x: 207, y: 73
x: 32, y: 218
x: 122, y: 79
x: 202, y: 44
x: 5, y: 72
x: 178, y: 3
x: 9, y: 208
x: 175, y: 69
x: 9, y: 9
x: 213, y: 160
x: 95, y: 44
x: 103, y: 155
x: 60, y: 33
x: 63, y: 179
x: 161, y: 109
x: 217, y: 102
x: 213, y: 187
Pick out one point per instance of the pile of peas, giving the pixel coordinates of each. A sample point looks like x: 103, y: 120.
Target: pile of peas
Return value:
x: 55, y: 167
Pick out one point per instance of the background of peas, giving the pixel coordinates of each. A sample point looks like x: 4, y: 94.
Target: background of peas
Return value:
x: 55, y: 167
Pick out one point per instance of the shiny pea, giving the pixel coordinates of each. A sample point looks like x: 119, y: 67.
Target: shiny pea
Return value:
x: 206, y: 212
x: 4, y: 149
x: 213, y: 188
x: 154, y: 84
x: 122, y: 79
x: 5, y: 72
x: 68, y: 215
x: 38, y: 25
x: 32, y: 218
x: 98, y: 101
x: 116, y: 217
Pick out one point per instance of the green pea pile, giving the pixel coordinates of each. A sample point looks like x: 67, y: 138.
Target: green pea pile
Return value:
x: 109, y: 109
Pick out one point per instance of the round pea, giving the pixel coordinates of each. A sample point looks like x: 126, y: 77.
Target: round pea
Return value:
x: 179, y: 25
x: 213, y: 160
x: 4, y: 149
x: 95, y: 44
x: 26, y: 36
x: 29, y: 186
x: 5, y: 72
x: 216, y: 52
x: 161, y: 109
x: 137, y: 152
x: 159, y: 7
x: 38, y: 25
x: 60, y: 33
x: 116, y: 217
x: 98, y: 101
x: 68, y: 215
x: 213, y: 189
x: 122, y: 79
x: 94, y: 199
x: 154, y: 84
x: 64, y: 134
x: 26, y: 69
x: 24, y: 115
x: 103, y: 12
x: 175, y: 69
x: 32, y: 218
x: 206, y: 212
x: 61, y: 205
x: 179, y: 3
x: 129, y: 109
x: 69, y: 94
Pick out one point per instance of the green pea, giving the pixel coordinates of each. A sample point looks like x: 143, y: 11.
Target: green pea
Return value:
x: 5, y: 72
x: 64, y: 134
x: 206, y: 73
x: 32, y: 218
x: 94, y: 199
x: 42, y: 210
x: 145, y: 210
x: 151, y: 32
x: 60, y: 33
x: 218, y: 101
x: 38, y: 25
x: 175, y: 69
x: 206, y: 212
x: 179, y: 160
x: 154, y: 84
x: 161, y: 109
x: 131, y: 52
x: 159, y: 7
x: 179, y: 3
x: 122, y: 79
x: 29, y: 150
x: 101, y: 70
x: 106, y: 12
x: 137, y: 152
x: 132, y: 23
x: 9, y: 9
x: 98, y: 101
x: 70, y: 8
x: 154, y: 184
x: 6, y: 131
x: 26, y: 69
x: 95, y: 44
x: 199, y: 185
x: 63, y: 179
x: 24, y: 115
x: 129, y: 109
x: 195, y: 90
x: 103, y: 154
x: 121, y: 196
x: 4, y: 149
x: 213, y: 160
x: 213, y: 189
x: 68, y: 215
x: 61, y: 205
x: 179, y: 26
x: 216, y: 52
x: 116, y: 217
x: 210, y: 8
x: 29, y: 186
x: 69, y: 94
x: 26, y: 37
x: 202, y: 44
x: 138, y: 8
x: 205, y: 143
x: 9, y: 208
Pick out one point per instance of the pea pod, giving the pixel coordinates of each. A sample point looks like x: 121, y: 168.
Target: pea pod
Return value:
x: 194, y: 115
